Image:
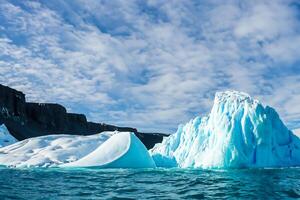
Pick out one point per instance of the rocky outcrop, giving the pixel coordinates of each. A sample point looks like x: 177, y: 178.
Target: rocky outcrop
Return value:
x: 25, y: 120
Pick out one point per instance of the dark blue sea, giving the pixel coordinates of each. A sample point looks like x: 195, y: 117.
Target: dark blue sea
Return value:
x: 149, y: 184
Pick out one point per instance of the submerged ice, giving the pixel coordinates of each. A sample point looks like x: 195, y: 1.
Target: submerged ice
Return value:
x: 239, y: 132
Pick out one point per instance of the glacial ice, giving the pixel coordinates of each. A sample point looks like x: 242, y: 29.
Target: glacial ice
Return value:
x: 50, y: 150
x: 297, y: 132
x: 123, y: 150
x: 5, y: 137
x: 239, y: 132
x: 103, y: 150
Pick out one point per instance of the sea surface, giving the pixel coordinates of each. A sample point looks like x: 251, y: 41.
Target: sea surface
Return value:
x: 149, y: 184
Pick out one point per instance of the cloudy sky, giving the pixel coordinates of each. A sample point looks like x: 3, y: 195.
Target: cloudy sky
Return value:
x: 151, y: 64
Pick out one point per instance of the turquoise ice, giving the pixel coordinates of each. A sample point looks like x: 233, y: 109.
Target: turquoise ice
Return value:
x: 103, y: 150
x: 122, y: 150
x: 239, y: 132
x: 5, y: 137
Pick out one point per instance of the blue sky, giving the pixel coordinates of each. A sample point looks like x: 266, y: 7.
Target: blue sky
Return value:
x: 151, y: 64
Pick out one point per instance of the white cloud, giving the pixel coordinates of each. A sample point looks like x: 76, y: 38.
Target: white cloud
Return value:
x: 150, y: 64
x: 265, y: 21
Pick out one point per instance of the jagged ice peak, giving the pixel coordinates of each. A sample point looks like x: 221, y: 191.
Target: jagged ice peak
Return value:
x: 238, y: 132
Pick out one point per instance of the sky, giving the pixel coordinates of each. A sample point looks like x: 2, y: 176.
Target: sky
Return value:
x: 152, y: 64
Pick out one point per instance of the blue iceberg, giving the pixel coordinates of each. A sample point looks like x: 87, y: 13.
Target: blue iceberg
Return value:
x: 122, y: 150
x: 5, y: 137
x: 239, y: 132
x: 103, y: 150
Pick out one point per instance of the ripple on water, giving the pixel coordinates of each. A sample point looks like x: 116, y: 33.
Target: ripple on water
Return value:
x: 149, y: 184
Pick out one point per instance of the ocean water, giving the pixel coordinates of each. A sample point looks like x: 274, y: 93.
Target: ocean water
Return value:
x: 149, y: 184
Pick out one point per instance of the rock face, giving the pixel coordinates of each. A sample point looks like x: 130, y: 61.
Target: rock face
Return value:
x: 25, y: 120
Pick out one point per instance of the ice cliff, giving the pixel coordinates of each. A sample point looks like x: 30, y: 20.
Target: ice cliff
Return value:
x: 239, y: 132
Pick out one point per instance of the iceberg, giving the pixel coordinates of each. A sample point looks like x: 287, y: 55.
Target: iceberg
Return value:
x: 51, y: 150
x: 122, y: 150
x: 5, y: 137
x: 239, y: 132
x: 297, y: 132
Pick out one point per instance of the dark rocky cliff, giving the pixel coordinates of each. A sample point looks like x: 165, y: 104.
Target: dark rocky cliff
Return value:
x: 25, y: 120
